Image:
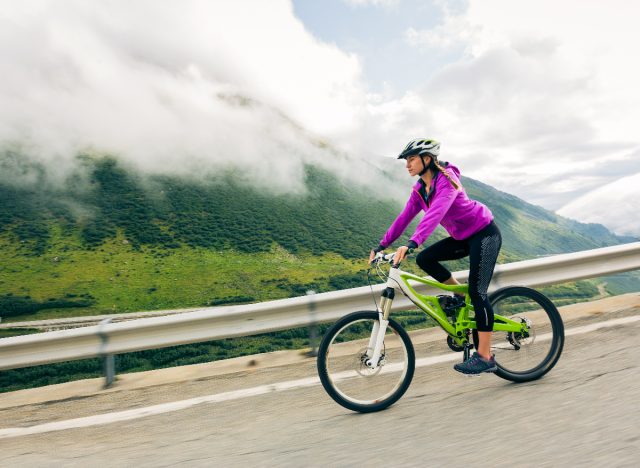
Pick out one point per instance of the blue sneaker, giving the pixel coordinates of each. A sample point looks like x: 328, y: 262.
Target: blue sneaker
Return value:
x: 476, y: 365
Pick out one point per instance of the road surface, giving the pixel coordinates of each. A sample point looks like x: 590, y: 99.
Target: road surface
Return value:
x: 585, y: 412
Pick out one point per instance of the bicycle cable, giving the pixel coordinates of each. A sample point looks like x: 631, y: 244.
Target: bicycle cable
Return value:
x: 373, y: 295
x: 384, y: 277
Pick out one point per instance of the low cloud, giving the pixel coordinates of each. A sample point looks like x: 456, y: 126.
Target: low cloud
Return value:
x: 174, y: 87
x: 525, y: 97
x: 615, y: 204
x: 536, y: 104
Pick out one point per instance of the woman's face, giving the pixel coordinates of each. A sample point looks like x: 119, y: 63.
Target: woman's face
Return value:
x: 414, y: 164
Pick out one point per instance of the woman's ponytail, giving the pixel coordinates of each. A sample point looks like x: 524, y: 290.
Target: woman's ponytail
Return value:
x: 435, y: 162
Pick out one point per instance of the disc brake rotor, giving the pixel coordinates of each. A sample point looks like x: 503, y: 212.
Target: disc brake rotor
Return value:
x: 360, y: 366
x: 524, y: 338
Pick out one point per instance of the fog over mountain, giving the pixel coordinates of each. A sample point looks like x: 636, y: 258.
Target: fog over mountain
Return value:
x: 619, y: 200
x: 191, y: 87
x: 173, y: 90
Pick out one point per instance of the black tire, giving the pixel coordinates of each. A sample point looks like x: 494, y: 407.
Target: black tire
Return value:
x: 526, y: 358
x: 345, y: 377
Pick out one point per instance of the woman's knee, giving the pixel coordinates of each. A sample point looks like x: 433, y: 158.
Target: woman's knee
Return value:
x: 428, y: 257
x: 425, y: 257
x: 433, y: 268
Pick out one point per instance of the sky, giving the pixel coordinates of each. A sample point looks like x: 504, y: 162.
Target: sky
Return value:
x: 536, y: 98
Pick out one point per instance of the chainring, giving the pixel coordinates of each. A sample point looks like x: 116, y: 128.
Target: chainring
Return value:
x: 453, y: 346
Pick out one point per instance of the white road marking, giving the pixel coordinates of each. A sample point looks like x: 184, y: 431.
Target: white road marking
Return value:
x: 136, y: 413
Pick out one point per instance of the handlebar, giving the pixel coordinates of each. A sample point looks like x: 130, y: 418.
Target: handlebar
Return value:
x: 388, y: 258
x: 382, y: 257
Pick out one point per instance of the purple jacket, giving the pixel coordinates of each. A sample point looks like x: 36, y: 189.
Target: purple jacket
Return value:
x: 459, y: 215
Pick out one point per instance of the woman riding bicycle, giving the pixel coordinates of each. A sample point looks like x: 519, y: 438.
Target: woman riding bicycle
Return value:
x: 473, y: 232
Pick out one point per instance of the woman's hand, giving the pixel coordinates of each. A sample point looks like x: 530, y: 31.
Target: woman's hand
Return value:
x: 371, y: 256
x: 400, y: 255
x: 374, y: 252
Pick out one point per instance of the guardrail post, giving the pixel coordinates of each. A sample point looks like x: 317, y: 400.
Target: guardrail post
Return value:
x: 108, y: 360
x: 313, y: 326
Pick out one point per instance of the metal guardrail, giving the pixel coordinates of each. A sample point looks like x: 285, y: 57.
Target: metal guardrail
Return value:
x: 87, y: 321
x: 216, y: 323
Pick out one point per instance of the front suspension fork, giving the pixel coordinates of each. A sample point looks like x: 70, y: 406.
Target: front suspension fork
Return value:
x: 376, y: 340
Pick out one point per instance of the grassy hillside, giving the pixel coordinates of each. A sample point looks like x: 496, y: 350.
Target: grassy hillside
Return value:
x: 117, y: 277
x: 114, y: 241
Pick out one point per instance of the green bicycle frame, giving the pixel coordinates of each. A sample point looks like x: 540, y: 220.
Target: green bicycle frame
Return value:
x: 431, y: 306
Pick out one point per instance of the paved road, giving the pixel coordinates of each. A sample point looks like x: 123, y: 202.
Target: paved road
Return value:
x: 585, y: 412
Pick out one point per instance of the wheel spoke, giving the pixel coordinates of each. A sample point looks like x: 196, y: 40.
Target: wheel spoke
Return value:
x: 346, y: 377
x: 526, y: 356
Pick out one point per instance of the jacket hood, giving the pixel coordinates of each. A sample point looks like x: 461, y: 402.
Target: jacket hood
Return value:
x: 452, y: 168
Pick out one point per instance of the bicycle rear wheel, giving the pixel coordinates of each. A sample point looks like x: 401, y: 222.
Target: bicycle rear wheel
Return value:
x: 348, y: 380
x: 522, y: 357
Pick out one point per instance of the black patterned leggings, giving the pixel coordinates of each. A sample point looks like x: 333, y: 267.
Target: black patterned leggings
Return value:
x: 482, y: 249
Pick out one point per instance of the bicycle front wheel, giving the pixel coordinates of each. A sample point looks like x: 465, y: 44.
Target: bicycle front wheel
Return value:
x: 345, y: 376
x: 522, y: 357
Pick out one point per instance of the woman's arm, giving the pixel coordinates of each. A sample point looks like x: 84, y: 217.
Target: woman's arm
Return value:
x: 411, y: 209
x: 442, y: 201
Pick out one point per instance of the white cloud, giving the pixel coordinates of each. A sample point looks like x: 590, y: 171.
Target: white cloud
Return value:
x: 151, y: 81
x: 615, y: 204
x: 542, y: 96
x: 539, y: 99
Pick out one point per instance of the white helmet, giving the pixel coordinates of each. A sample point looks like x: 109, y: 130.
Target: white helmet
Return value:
x: 421, y: 147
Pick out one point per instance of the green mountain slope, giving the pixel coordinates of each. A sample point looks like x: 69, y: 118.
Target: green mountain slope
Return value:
x: 530, y: 230
x: 111, y: 240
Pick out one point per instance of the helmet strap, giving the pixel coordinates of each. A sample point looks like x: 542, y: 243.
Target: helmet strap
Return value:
x: 426, y: 168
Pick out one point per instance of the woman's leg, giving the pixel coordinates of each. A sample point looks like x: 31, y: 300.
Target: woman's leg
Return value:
x: 446, y: 249
x: 484, y: 248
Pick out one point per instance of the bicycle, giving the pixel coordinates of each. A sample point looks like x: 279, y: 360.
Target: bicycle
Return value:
x: 366, y: 360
